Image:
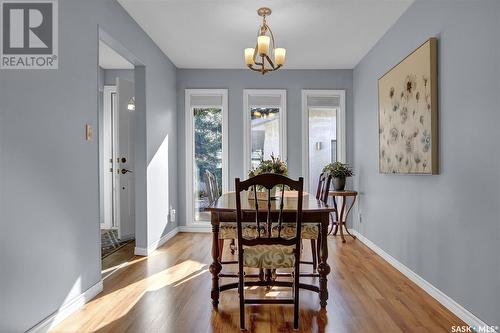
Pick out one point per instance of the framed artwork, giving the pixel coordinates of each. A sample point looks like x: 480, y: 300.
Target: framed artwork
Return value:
x: 408, y: 109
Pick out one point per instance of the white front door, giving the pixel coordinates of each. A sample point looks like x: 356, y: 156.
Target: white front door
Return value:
x: 123, y: 160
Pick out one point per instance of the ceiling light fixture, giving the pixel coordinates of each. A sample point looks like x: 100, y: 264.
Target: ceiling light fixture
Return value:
x: 131, y: 104
x: 264, y: 49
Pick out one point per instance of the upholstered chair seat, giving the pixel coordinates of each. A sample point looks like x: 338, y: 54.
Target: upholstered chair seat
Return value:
x: 229, y: 230
x: 269, y: 256
x: 309, y: 230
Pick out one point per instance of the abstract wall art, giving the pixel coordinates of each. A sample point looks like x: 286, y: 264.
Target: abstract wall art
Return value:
x: 408, y: 135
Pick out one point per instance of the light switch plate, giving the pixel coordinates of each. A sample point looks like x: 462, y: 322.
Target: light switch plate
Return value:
x: 172, y: 214
x: 89, y: 132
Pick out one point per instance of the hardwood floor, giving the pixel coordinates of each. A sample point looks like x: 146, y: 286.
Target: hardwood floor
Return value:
x: 113, y: 261
x: 170, y: 292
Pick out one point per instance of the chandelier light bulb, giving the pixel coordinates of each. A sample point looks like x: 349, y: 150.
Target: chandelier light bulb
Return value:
x: 279, y: 56
x: 249, y: 56
x: 263, y: 44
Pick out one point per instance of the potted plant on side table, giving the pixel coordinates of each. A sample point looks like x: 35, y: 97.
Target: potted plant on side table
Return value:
x: 274, y: 165
x: 339, y: 172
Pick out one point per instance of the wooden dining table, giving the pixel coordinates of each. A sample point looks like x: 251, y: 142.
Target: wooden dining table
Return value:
x: 313, y: 211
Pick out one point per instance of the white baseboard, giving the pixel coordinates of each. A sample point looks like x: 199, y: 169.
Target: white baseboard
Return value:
x: 67, y: 309
x: 163, y: 240
x: 140, y: 251
x: 459, y: 311
x: 195, y: 228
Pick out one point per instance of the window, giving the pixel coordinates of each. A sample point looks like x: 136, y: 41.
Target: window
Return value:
x: 265, y: 135
x: 323, y: 132
x: 206, y: 143
x: 264, y: 126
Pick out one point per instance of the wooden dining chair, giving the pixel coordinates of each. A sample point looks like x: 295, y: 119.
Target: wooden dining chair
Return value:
x: 323, y: 189
x: 322, y: 193
x: 211, y: 187
x: 268, y: 250
x: 227, y: 230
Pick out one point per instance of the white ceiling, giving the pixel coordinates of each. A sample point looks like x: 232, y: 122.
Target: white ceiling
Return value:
x: 110, y: 59
x: 316, y: 33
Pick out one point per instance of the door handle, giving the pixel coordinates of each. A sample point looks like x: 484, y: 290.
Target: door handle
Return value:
x: 124, y: 171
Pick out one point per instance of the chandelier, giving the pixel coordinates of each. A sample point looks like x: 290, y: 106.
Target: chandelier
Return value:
x: 259, y: 58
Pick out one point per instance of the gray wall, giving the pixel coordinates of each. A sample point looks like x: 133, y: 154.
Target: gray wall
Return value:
x: 444, y: 227
x: 110, y: 75
x: 101, y: 76
x: 235, y: 80
x: 49, y: 228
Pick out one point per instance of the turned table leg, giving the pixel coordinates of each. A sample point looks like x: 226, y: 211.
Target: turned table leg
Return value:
x: 335, y: 218
x: 323, y: 267
x: 341, y: 220
x: 216, y: 266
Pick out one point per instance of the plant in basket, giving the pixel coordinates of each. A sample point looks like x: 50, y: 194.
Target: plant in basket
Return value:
x: 274, y: 165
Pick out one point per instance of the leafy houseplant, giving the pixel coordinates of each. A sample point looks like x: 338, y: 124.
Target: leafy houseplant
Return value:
x: 274, y: 165
x: 339, y: 172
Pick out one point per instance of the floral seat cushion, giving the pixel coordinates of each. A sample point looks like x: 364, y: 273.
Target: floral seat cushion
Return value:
x: 309, y: 230
x: 229, y: 231
x: 269, y: 256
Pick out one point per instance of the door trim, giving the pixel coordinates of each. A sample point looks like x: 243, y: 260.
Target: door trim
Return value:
x: 341, y: 127
x: 108, y: 91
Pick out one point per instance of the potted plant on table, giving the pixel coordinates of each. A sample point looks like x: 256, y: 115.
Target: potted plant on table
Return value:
x: 274, y: 165
x: 339, y: 172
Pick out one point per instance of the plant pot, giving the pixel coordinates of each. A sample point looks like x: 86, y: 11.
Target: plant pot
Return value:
x: 338, y: 183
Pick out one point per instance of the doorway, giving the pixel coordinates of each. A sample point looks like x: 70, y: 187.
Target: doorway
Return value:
x: 116, y: 157
x: 323, y: 132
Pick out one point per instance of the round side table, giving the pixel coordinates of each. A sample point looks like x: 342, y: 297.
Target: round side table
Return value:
x: 340, y: 218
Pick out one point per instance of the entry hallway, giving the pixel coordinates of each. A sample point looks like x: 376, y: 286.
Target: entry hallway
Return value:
x: 169, y: 291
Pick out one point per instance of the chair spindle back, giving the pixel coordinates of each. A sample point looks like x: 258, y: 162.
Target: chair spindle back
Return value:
x: 323, y: 186
x: 212, y: 187
x: 275, y: 208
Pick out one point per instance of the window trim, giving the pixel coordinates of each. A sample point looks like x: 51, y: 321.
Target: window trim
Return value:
x: 341, y: 127
x: 189, y: 137
x: 247, y: 123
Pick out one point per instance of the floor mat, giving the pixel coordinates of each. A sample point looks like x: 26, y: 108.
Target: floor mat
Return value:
x: 110, y: 242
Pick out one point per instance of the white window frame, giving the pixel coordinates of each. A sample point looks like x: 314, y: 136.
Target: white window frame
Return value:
x: 189, y: 135
x: 247, y: 120
x: 341, y: 127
